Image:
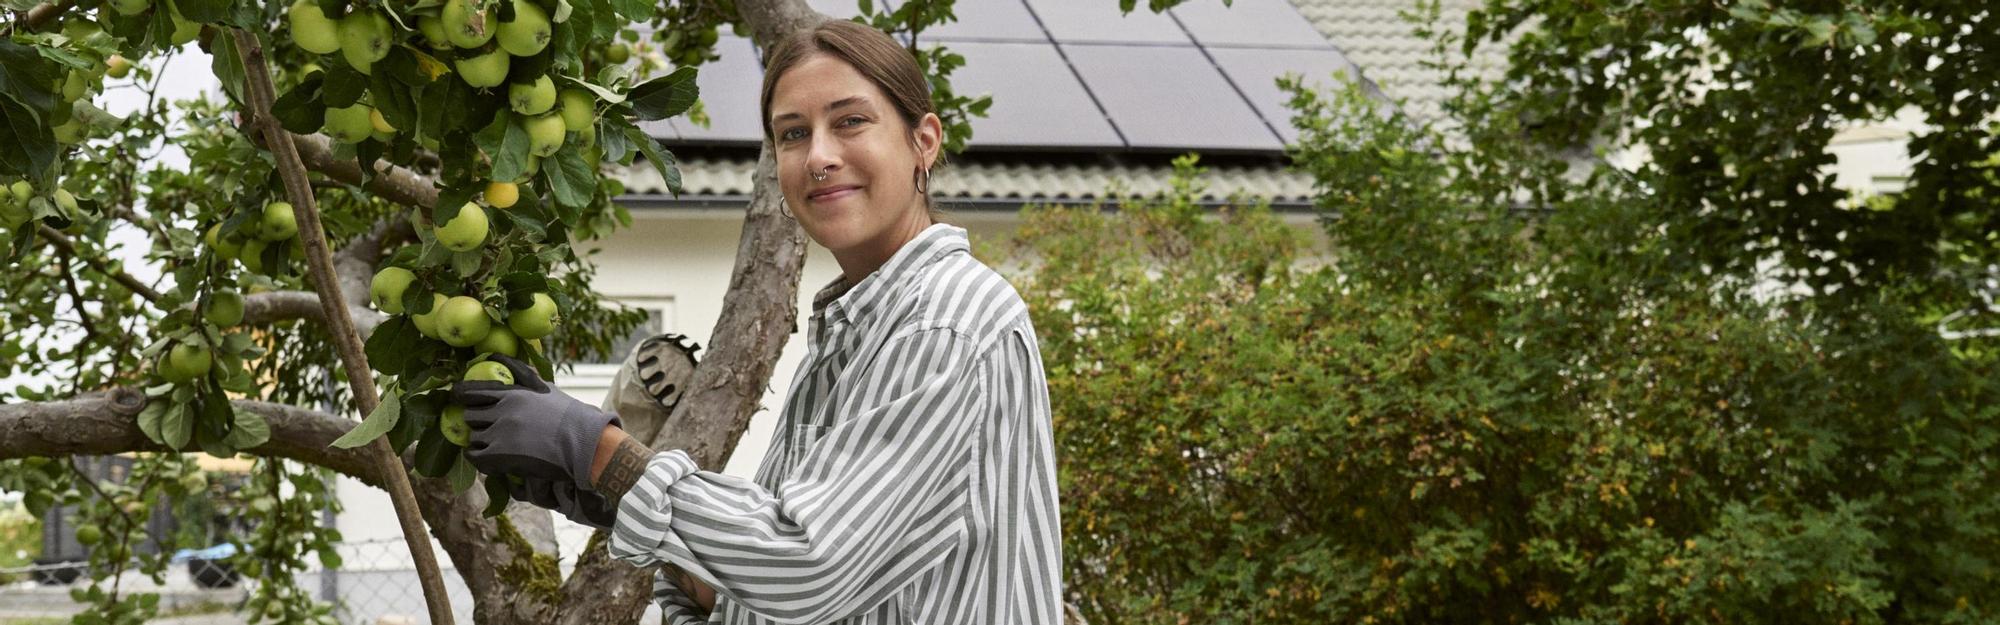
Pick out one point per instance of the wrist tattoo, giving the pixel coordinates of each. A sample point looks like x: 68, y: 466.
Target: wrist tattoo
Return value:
x: 628, y: 462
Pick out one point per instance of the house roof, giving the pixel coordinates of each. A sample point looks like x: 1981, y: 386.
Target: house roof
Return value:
x: 1012, y: 182
x: 1368, y: 33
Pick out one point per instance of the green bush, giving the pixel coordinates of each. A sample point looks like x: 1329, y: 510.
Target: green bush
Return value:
x: 1470, y: 415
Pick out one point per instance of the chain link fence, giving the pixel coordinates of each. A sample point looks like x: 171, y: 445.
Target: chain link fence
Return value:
x: 376, y: 584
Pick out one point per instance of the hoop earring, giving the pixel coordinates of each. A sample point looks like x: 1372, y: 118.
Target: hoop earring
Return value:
x: 923, y: 181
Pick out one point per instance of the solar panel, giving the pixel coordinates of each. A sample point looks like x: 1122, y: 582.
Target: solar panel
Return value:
x: 730, y: 88
x: 1098, y: 21
x: 1257, y: 23
x: 1169, y: 98
x: 1037, y: 101
x: 989, y: 20
x: 1256, y: 72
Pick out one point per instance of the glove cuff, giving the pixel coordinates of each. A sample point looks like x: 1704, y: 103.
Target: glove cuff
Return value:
x: 583, y: 429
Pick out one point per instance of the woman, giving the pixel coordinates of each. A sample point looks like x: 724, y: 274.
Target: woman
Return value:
x: 912, y: 478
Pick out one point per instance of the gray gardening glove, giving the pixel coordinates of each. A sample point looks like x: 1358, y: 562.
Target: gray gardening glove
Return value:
x: 529, y: 429
x: 582, y: 506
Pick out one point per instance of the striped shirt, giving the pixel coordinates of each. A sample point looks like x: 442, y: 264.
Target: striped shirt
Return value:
x: 912, y: 478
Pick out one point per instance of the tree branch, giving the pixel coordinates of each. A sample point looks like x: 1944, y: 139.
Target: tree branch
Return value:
x: 106, y: 422
x: 320, y: 262
x: 393, y: 183
x: 759, y: 312
x: 44, y: 13
x: 61, y: 242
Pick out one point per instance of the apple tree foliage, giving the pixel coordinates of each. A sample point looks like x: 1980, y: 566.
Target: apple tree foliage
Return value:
x: 456, y: 151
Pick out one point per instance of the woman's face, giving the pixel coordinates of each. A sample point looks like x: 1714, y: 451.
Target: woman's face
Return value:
x: 827, y: 117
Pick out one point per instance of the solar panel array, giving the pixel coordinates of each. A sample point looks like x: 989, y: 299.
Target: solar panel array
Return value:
x: 1076, y: 75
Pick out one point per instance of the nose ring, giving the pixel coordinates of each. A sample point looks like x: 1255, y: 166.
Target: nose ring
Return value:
x: 819, y: 175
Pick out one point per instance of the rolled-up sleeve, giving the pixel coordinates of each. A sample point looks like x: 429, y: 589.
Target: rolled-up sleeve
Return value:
x: 882, y: 497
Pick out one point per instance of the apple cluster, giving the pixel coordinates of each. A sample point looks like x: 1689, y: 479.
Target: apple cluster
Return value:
x: 482, y: 47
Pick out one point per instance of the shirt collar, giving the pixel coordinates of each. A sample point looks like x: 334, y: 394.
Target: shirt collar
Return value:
x: 841, y: 300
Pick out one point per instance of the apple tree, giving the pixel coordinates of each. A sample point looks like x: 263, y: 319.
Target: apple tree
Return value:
x: 382, y: 195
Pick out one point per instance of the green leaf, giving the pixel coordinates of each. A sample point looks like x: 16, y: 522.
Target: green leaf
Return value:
x: 229, y: 67
x: 149, y: 420
x: 177, y: 426
x: 662, y: 160
x: 466, y: 263
x: 604, y: 94
x: 203, y: 11
x: 302, y: 110
x: 533, y: 227
x: 496, y: 495
x: 666, y: 96
x: 34, y: 145
x: 572, y: 179
x: 634, y: 10
x: 507, y: 143
x: 394, y: 99
x: 462, y: 474
x: 344, y: 87
x: 378, y: 423
x: 251, y: 430
x: 388, y: 348
x: 435, y: 455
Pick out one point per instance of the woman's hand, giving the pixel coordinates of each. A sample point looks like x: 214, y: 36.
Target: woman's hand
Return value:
x: 530, y: 429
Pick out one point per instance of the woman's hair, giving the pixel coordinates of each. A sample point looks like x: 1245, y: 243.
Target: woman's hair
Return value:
x: 872, y: 53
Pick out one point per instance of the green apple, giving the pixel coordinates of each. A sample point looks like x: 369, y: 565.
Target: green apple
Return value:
x: 545, y: 134
x: 462, y: 321
x: 117, y: 66
x: 489, y: 371
x: 532, y: 98
x: 528, y: 33
x: 22, y: 191
x: 617, y: 53
x: 130, y: 7
x: 225, y: 309
x: 578, y: 109
x: 365, y: 38
x: 427, y: 323
x: 386, y: 290
x: 74, y: 84
x: 89, y: 534
x: 227, y: 246
x: 65, y: 201
x: 534, y: 167
x: 465, y: 27
x: 311, y: 29
x: 433, y: 30
x: 499, y: 340
x: 185, y: 362
x: 485, y: 70
x: 349, y: 124
x: 13, y: 214
x: 252, y: 255
x: 535, y: 321
x: 502, y: 194
x: 452, y: 425
x: 466, y: 231
x: 279, y: 222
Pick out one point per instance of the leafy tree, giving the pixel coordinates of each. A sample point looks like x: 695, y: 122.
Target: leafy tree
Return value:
x: 1734, y: 105
x: 1475, y: 409
x: 407, y: 178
